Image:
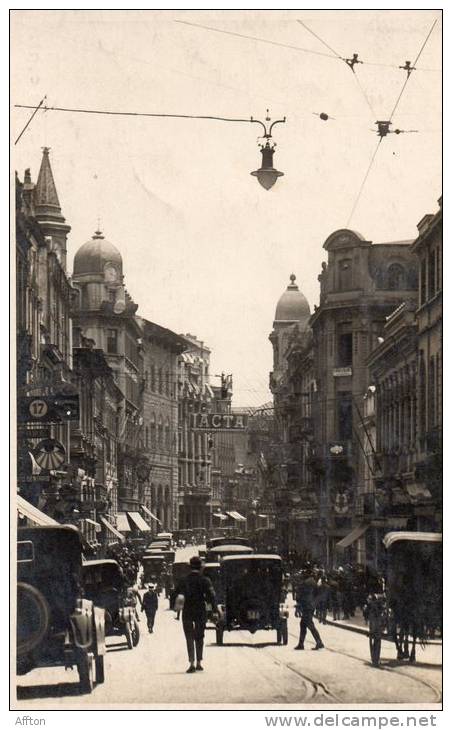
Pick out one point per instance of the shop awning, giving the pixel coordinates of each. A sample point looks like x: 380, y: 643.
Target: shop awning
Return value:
x: 150, y: 514
x: 352, y: 536
x: 236, y: 516
x: 122, y: 522
x: 139, y: 522
x: 91, y: 522
x: 25, y: 509
x: 220, y: 515
x: 112, y: 529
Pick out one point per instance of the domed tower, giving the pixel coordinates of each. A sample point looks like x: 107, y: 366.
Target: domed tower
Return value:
x: 292, y: 311
x: 103, y: 303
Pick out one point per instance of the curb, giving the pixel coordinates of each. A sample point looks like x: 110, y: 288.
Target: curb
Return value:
x: 365, y: 632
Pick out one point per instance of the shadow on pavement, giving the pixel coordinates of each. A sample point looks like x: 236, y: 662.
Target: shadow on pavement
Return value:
x: 41, y: 691
x: 261, y: 645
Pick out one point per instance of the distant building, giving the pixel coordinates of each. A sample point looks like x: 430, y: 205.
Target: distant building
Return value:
x: 159, y: 433
x: 105, y: 313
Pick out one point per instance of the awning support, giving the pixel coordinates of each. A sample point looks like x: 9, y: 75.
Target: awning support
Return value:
x: 112, y: 529
x: 352, y: 536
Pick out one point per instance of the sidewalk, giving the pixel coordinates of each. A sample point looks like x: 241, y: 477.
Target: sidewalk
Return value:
x: 357, y: 624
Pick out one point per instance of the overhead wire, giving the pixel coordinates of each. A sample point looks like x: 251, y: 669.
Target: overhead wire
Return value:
x: 36, y: 109
x: 408, y: 75
x: 355, y: 204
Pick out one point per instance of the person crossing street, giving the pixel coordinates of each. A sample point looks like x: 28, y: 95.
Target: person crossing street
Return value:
x: 306, y: 597
x: 192, y: 593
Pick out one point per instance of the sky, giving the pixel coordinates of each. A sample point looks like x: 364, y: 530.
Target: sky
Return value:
x: 205, y: 249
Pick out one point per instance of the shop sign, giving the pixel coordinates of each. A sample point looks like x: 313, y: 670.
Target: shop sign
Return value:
x: 219, y: 421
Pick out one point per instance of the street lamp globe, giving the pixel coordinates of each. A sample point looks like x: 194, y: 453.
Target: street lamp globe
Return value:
x: 267, y: 174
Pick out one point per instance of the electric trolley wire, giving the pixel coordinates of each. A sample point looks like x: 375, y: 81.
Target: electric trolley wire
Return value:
x: 364, y: 181
x: 408, y: 75
x: 320, y: 39
x: 36, y: 109
x: 254, y: 38
x: 288, y: 45
x: 250, y: 120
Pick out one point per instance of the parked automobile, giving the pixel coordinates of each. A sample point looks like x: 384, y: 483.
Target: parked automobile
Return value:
x: 225, y: 540
x: 56, y: 625
x: 105, y: 586
x: 212, y: 571
x: 252, y: 595
x: 153, y: 568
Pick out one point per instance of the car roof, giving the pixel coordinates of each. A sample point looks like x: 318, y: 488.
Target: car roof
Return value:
x: 100, y: 562
x: 211, y: 565
x: 230, y: 558
x: 232, y: 548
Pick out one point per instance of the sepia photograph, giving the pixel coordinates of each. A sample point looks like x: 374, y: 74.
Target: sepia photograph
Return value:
x: 226, y: 382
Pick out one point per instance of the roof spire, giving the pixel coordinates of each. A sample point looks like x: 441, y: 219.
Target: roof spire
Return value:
x: 46, y: 196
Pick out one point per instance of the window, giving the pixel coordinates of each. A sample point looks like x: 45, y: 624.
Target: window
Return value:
x: 153, y: 432
x: 431, y: 401
x: 152, y: 384
x: 146, y: 440
x: 345, y: 349
x: 423, y: 282
x: 345, y: 275
x: 431, y: 273
x: 167, y: 383
x: 160, y: 380
x: 344, y: 416
x: 422, y: 396
x: 112, y: 342
x: 396, y: 277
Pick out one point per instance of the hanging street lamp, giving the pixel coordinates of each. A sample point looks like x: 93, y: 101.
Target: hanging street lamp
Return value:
x: 267, y: 174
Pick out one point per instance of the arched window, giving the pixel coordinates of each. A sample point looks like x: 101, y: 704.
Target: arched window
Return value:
x: 146, y: 437
x: 153, y: 432
x: 167, y: 435
x: 345, y: 274
x: 396, y: 277
x: 160, y: 434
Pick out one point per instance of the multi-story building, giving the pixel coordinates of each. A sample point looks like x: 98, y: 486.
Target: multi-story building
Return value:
x: 44, y: 349
x: 195, y: 446
x: 360, y: 285
x: 105, y: 313
x: 159, y: 435
x: 428, y: 250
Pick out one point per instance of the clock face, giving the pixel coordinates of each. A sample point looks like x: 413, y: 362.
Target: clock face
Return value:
x: 110, y: 273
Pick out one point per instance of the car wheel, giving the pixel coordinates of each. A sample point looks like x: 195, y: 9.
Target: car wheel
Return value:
x: 219, y: 636
x: 135, y: 634
x: 85, y: 667
x: 100, y: 670
x: 33, y: 618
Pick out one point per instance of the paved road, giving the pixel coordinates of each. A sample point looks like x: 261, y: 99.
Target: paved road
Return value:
x: 248, y: 669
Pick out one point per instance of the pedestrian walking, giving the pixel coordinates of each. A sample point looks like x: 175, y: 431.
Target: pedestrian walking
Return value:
x: 150, y: 604
x: 306, y: 602
x: 196, y: 590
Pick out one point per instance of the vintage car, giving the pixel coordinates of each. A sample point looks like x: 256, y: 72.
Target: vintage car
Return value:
x: 178, y: 571
x: 168, y: 555
x: 56, y: 624
x: 213, y: 555
x: 168, y: 536
x: 408, y: 609
x: 225, y: 540
x: 159, y: 545
x: 212, y: 571
x: 104, y: 585
x: 155, y: 568
x: 251, y: 586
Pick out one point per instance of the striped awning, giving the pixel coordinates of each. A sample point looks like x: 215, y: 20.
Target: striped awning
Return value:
x: 138, y: 521
x: 236, y: 516
x: 122, y: 522
x: 25, y: 509
x: 112, y: 529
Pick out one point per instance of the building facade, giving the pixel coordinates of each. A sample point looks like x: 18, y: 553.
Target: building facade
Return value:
x: 105, y: 314
x: 159, y: 435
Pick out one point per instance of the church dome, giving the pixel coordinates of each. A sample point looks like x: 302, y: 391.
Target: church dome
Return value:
x: 292, y: 305
x: 92, y: 257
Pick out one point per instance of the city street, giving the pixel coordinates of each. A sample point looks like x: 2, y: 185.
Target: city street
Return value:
x: 248, y: 669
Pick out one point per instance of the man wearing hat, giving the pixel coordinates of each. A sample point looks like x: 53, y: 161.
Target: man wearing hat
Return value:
x: 197, y: 590
x: 149, y: 605
x: 307, y: 590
